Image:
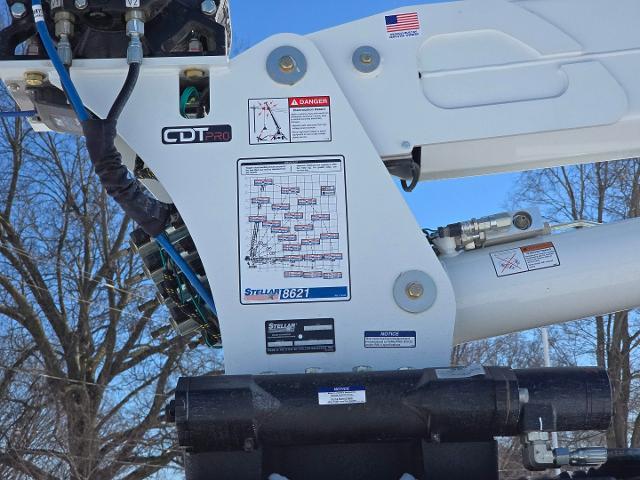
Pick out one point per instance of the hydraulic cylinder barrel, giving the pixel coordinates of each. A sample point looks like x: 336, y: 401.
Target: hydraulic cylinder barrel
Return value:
x: 231, y: 412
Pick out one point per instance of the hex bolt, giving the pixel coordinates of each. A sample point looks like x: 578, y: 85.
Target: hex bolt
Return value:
x: 81, y: 4
x: 34, y: 79
x: 287, y: 63
x: 406, y: 144
x: 209, y: 7
x: 14, y: 87
x: 18, y: 10
x: 366, y: 58
x: 415, y: 290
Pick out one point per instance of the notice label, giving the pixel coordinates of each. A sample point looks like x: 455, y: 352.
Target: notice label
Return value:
x: 289, y: 120
x: 294, y: 240
x: 390, y: 339
x: 525, y: 259
x: 460, y: 372
x: 300, y: 336
x: 341, y: 395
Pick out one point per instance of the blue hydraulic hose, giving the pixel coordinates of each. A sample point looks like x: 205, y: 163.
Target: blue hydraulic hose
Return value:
x: 164, y: 242
x: 65, y: 79
x: 24, y: 113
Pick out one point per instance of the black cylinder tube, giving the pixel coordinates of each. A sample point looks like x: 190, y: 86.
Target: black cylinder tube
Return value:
x: 229, y: 412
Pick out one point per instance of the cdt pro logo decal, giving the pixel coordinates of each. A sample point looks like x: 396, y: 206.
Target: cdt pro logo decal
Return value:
x: 199, y: 134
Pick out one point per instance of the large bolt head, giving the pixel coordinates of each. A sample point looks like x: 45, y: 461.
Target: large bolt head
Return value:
x: 34, y: 79
x: 194, y: 73
x: 209, y: 7
x: 415, y: 290
x: 81, y: 4
x: 287, y: 63
x: 18, y: 10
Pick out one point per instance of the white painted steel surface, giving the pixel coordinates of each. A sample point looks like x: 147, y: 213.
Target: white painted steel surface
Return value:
x: 384, y: 238
x: 599, y: 273
x: 503, y: 85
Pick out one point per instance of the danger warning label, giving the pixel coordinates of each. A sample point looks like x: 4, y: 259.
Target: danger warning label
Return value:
x: 290, y: 120
x: 525, y: 259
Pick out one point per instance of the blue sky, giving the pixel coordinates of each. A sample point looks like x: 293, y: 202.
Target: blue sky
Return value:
x: 433, y: 203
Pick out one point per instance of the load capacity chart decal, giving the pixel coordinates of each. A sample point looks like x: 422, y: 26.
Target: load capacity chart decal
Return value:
x: 292, y: 227
x: 289, y: 120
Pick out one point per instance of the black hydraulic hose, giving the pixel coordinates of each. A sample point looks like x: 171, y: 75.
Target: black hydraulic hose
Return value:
x: 151, y: 214
x: 622, y: 463
x: 125, y: 92
x: 623, y: 455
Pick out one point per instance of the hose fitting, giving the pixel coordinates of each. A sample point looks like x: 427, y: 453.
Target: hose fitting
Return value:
x: 135, y: 32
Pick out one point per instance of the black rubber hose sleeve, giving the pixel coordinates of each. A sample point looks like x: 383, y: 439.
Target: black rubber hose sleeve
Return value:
x: 148, y: 212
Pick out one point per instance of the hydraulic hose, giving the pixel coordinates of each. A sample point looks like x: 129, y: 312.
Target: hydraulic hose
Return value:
x: 623, y: 455
x: 125, y: 92
x: 24, y: 113
x: 127, y: 191
x: 164, y: 242
x: 65, y: 79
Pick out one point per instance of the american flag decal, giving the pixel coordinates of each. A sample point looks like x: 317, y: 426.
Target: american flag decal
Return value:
x: 402, y: 22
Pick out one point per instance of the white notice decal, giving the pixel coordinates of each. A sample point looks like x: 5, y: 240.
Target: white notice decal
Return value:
x: 341, y: 395
x: 290, y: 120
x: 525, y: 259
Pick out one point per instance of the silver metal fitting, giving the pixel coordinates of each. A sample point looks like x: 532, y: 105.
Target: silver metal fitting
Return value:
x: 494, y: 229
x: 536, y: 451
x: 18, y: 10
x: 81, y: 4
x: 522, y: 220
x: 313, y: 370
x: 523, y: 396
x: 135, y: 31
x: 64, y: 50
x: 135, y: 53
x: 590, y: 456
x: 135, y: 26
x: 64, y: 23
x: 209, y: 7
x: 538, y: 454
